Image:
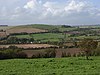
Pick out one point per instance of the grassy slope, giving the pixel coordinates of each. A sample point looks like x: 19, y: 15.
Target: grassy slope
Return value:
x: 40, y: 26
x: 52, y: 66
x: 47, y: 27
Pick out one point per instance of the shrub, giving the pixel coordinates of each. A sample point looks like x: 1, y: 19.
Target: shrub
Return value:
x: 97, y: 52
x: 68, y: 54
x: 46, y: 54
x: 2, y: 55
x: 63, y: 54
x: 50, y: 53
x: 74, y: 55
x: 13, y: 47
x: 8, y: 54
x: 21, y: 55
x: 79, y: 54
x: 11, y: 54
x: 39, y: 55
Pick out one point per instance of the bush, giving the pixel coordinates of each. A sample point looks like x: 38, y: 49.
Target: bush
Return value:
x: 63, y: 54
x: 80, y: 54
x: 38, y: 55
x: 68, y: 54
x: 13, y: 47
x: 74, y: 55
x: 50, y: 53
x: 97, y: 52
x: 46, y: 54
x: 2, y: 55
x: 21, y: 55
x: 11, y: 54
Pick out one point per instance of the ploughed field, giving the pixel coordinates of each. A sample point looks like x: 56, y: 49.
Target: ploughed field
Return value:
x: 24, y: 30
x: 26, y: 46
x: 3, y: 34
x: 51, y: 66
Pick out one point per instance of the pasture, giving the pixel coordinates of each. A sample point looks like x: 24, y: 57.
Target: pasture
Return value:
x: 44, y: 37
x: 51, y: 66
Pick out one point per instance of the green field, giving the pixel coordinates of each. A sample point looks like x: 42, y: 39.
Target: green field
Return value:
x: 51, y: 66
x: 82, y: 37
x: 44, y: 37
x: 53, y: 36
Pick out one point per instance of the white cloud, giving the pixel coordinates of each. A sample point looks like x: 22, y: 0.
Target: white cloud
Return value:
x: 53, y: 12
x: 31, y: 4
x: 76, y: 6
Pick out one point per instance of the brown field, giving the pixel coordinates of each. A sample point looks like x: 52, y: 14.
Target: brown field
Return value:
x: 69, y: 44
x: 72, y: 51
x: 3, y: 34
x: 30, y: 53
x: 5, y: 27
x: 24, y: 30
x: 25, y: 46
x: 40, y: 48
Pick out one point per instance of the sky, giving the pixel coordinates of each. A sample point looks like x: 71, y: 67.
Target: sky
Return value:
x: 73, y: 12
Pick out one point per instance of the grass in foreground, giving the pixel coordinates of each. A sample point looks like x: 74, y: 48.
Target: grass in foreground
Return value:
x: 51, y: 66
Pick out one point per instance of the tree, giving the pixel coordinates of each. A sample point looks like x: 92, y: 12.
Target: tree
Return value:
x: 50, y: 53
x: 13, y: 47
x: 54, y: 30
x: 12, y: 40
x: 87, y: 46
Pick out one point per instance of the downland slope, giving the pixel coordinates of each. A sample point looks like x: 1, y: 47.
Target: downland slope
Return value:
x: 24, y: 29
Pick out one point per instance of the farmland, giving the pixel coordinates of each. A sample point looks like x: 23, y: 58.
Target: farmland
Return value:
x: 40, y: 36
x: 24, y: 30
x: 48, y: 49
x: 51, y: 66
x: 44, y: 36
x: 5, y: 27
x: 72, y: 51
x: 25, y: 46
